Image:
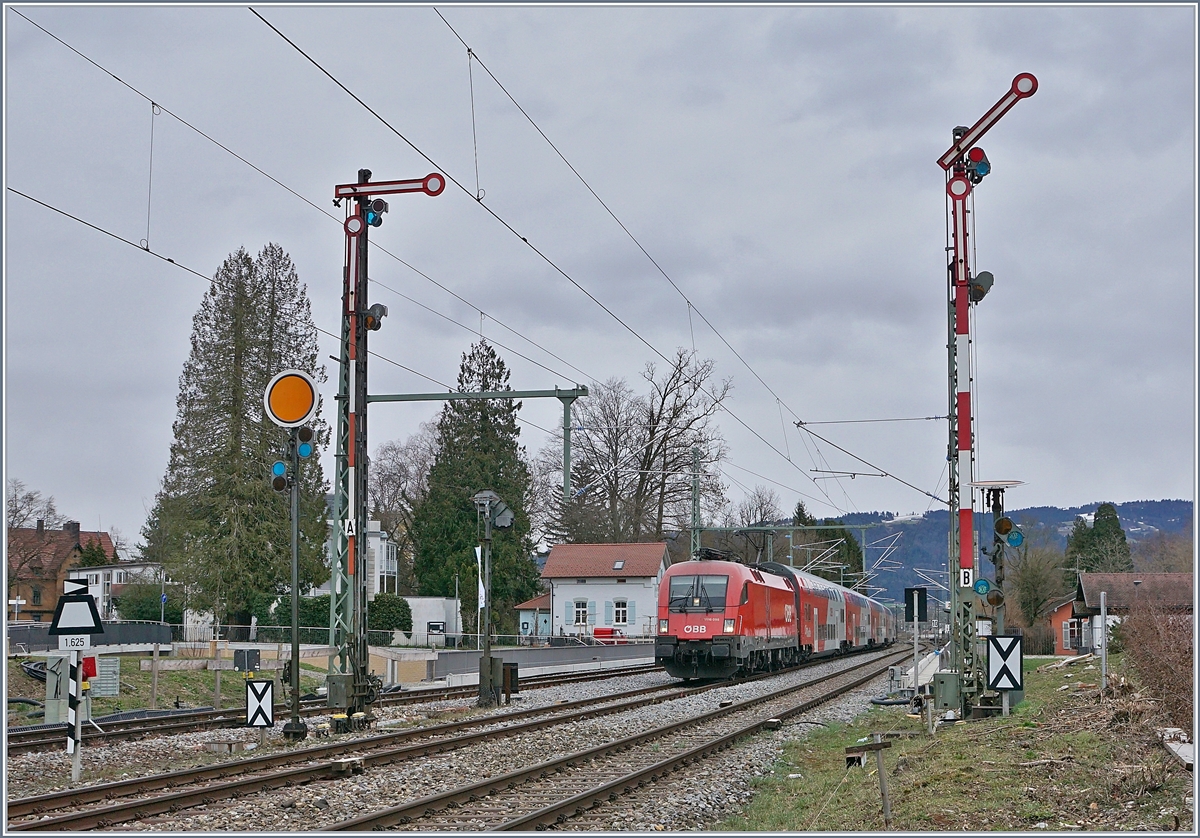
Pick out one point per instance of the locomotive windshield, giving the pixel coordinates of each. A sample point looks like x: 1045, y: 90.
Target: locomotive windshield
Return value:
x: 697, y: 593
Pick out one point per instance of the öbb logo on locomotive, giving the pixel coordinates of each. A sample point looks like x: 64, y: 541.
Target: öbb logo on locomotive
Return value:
x: 717, y: 619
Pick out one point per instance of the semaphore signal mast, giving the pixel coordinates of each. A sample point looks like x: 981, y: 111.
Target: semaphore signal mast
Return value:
x: 966, y: 164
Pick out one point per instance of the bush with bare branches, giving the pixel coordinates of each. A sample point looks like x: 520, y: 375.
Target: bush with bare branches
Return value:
x: 1158, y: 643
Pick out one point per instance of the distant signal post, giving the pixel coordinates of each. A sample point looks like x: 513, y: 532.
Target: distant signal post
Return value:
x: 351, y: 688
x: 965, y: 165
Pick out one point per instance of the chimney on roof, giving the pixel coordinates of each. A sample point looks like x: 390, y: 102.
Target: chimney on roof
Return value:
x: 41, y: 527
x: 73, y: 528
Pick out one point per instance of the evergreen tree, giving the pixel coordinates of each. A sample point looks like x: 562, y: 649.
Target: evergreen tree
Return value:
x: 217, y: 525
x: 93, y: 555
x: 1101, y: 547
x: 1110, y: 549
x: 477, y: 448
x: 1079, y: 544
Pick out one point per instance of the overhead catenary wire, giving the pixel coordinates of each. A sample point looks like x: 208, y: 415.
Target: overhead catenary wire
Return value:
x: 444, y: 288
x: 215, y: 281
x: 508, y: 226
x: 295, y: 194
x: 690, y: 305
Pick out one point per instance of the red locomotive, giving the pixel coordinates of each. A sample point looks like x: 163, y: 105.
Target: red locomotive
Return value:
x: 720, y: 618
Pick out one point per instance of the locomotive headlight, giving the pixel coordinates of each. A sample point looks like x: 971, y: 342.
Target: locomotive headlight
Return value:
x: 662, y: 626
x: 729, y: 625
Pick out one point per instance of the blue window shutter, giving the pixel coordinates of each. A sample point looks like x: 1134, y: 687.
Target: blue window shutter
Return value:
x: 569, y: 612
x: 608, y: 613
x: 631, y: 617
x: 591, y: 612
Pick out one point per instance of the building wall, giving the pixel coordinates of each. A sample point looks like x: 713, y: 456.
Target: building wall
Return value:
x: 600, y: 594
x: 1059, y: 616
x: 433, y: 609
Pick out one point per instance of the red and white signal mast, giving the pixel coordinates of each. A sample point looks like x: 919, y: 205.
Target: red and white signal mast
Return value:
x: 966, y: 165
x: 351, y: 688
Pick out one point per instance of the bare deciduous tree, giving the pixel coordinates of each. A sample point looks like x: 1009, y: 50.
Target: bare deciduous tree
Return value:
x: 1036, y: 573
x: 632, y: 457
x: 24, y: 507
x: 397, y: 482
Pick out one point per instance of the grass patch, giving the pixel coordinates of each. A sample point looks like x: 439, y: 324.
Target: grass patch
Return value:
x: 1064, y: 760
x: 192, y: 687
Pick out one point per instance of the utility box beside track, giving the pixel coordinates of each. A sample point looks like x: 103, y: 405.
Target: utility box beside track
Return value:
x: 946, y: 691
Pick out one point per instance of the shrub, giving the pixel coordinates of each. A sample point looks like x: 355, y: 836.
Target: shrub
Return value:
x: 388, y: 612
x: 1158, y: 643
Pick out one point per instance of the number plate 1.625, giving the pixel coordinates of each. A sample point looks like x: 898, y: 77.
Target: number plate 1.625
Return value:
x: 74, y: 641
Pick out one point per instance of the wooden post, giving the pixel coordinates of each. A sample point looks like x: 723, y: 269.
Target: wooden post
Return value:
x: 154, y: 679
x: 883, y: 789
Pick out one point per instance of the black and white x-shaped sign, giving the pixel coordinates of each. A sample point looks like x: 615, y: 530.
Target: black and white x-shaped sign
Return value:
x: 1004, y: 663
x: 260, y: 704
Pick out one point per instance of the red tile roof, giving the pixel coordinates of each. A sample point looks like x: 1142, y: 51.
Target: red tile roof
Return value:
x: 1165, y: 590
x: 31, y: 553
x: 538, y: 603
x: 593, y: 560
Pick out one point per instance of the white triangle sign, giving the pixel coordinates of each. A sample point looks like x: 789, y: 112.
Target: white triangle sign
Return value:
x: 74, y: 586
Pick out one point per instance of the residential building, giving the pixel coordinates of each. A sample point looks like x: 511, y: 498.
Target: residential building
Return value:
x: 106, y: 581
x: 38, y: 562
x: 1123, y: 591
x: 533, y: 617
x: 604, y: 585
x: 383, y: 566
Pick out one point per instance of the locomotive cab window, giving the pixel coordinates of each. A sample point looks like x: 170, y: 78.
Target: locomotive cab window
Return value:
x: 698, y: 593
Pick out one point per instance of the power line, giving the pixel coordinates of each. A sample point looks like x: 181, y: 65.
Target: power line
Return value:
x: 545, y: 258
x: 215, y: 281
x: 319, y: 209
x: 801, y: 424
x: 872, y: 465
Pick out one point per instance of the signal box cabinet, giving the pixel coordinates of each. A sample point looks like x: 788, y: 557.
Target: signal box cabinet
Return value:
x: 946, y: 694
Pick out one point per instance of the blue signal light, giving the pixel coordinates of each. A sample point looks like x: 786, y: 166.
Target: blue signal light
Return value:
x: 1015, y: 539
x: 279, y: 468
x: 983, y: 167
x: 374, y: 218
x: 304, y: 449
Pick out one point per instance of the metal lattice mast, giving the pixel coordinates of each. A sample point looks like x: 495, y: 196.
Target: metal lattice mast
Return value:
x: 348, y: 582
x: 966, y: 165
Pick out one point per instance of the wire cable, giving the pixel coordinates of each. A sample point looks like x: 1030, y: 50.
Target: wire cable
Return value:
x: 534, y: 248
x: 215, y: 281
x: 296, y: 194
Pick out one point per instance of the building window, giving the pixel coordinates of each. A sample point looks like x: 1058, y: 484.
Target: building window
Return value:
x: 93, y: 578
x: 37, y: 596
x: 581, y: 612
x: 618, y: 564
x: 620, y: 612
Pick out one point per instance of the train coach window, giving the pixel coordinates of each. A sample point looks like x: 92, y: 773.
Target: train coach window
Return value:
x: 698, y: 593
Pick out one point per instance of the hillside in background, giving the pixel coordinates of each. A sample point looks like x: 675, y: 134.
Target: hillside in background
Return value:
x: 922, y: 543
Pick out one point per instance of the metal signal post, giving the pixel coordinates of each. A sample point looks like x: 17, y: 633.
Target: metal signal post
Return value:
x: 966, y: 165
x: 352, y: 688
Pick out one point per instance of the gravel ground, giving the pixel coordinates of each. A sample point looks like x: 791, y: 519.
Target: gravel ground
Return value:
x: 720, y: 783
x: 46, y: 771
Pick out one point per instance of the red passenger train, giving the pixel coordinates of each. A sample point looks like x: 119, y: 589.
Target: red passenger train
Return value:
x: 719, y: 618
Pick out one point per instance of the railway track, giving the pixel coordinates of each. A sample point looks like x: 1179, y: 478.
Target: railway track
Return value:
x: 44, y: 738
x: 205, y: 785
x: 272, y: 771
x: 556, y: 790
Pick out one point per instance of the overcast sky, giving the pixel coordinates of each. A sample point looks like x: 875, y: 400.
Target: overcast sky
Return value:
x: 778, y: 163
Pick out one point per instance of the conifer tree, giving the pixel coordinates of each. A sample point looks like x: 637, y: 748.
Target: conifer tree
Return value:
x: 216, y: 524
x: 477, y: 448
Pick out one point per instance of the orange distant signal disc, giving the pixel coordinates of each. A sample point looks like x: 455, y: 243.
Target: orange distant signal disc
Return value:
x: 291, y: 398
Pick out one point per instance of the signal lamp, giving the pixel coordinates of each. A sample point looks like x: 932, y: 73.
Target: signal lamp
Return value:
x: 995, y: 597
x: 373, y: 318
x: 304, y: 436
x: 978, y: 166
x: 1015, y: 538
x: 981, y: 283
x: 279, y: 480
x: 375, y: 210
x: 1004, y: 526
